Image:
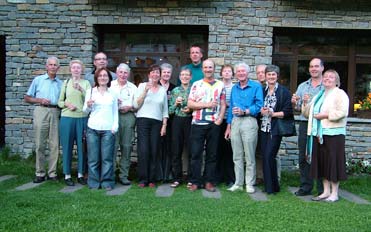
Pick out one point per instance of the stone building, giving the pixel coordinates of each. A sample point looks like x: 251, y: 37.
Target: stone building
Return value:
x: 141, y: 32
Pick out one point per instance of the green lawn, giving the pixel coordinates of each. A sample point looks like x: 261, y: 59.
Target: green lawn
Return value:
x: 45, y: 209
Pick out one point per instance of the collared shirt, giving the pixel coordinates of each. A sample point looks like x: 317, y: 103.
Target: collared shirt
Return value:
x: 307, y: 88
x: 125, y: 93
x: 203, y: 91
x: 250, y: 97
x: 44, y: 87
x: 90, y: 77
x: 175, y: 93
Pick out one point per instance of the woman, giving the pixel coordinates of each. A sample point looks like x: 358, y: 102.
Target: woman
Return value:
x: 327, y: 114
x: 73, y: 121
x: 181, y: 124
x: 225, y: 165
x: 277, y: 104
x: 101, y: 102
x: 151, y: 102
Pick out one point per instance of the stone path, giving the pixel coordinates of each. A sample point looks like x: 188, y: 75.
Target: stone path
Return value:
x: 71, y: 189
x: 7, y: 177
x: 207, y: 194
x: 164, y: 190
x: 352, y: 197
x: 29, y: 185
x: 258, y: 195
x: 118, y: 190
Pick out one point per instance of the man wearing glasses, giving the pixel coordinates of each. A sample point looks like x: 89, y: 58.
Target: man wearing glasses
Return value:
x: 100, y: 61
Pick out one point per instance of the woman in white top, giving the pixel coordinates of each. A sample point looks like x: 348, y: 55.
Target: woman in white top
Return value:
x: 101, y: 102
x: 152, y: 115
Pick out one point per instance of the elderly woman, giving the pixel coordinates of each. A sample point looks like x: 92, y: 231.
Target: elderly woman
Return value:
x: 101, y: 102
x: 73, y: 121
x: 277, y: 104
x: 327, y: 114
x: 152, y: 115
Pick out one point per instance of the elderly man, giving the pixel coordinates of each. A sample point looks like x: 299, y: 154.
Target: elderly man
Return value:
x: 207, y: 100
x: 100, y: 61
x: 44, y: 91
x: 307, y: 90
x: 242, y: 129
x: 125, y: 91
x: 195, y: 54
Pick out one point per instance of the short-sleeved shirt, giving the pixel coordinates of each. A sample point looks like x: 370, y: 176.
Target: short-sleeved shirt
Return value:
x: 307, y: 88
x: 203, y: 91
x: 44, y: 87
x: 125, y: 93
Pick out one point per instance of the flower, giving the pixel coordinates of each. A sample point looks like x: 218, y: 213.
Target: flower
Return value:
x: 365, y: 104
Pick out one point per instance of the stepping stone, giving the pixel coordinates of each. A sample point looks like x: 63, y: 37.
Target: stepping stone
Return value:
x: 6, y: 177
x: 258, y: 195
x: 304, y: 198
x: 216, y: 194
x: 71, y: 189
x: 118, y: 190
x: 352, y: 197
x: 29, y: 185
x: 164, y: 190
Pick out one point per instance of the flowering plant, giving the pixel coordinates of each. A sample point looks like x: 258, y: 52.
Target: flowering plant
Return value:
x: 358, y: 166
x: 365, y: 104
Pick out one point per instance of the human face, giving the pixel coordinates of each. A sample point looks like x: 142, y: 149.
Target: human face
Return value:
x: 271, y: 78
x: 103, y: 78
x: 76, y: 70
x: 52, y: 67
x: 208, y: 69
x: 195, y: 55
x: 315, y: 68
x: 166, y: 74
x: 241, y: 74
x: 185, y: 77
x: 154, y: 75
x: 100, y: 60
x: 329, y: 80
x: 227, y: 73
x: 260, y: 73
x: 122, y: 75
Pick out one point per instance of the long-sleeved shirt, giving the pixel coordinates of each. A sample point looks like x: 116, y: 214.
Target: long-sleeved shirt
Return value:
x: 250, y: 97
x: 177, y: 110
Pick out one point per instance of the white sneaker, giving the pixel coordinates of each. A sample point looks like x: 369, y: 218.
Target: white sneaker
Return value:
x: 235, y: 188
x: 250, y: 189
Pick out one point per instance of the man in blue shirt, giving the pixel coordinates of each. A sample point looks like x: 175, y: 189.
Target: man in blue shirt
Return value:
x: 242, y: 129
x: 44, y: 91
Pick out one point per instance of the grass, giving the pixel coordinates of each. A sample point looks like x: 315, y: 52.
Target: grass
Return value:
x: 46, y: 209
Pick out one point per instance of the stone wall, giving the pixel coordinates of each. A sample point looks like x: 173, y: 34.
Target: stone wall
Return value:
x: 239, y: 30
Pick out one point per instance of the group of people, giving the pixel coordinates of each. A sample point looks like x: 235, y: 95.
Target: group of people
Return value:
x: 216, y: 123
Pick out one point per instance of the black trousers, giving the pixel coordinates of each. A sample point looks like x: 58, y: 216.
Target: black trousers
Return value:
x: 269, y: 149
x: 224, y: 163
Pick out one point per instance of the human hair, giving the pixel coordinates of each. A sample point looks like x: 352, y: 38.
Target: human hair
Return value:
x: 124, y: 67
x: 226, y: 66
x: 100, y: 53
x: 320, y: 61
x: 272, y: 68
x: 166, y: 66
x: 77, y: 62
x: 184, y: 68
x: 153, y: 67
x: 52, y: 58
x: 337, y: 77
x: 242, y: 64
x: 260, y: 65
x: 96, y: 74
x: 197, y: 46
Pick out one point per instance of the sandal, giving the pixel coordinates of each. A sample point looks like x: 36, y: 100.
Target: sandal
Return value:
x: 175, y: 184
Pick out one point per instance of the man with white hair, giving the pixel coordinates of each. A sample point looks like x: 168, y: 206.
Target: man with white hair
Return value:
x: 125, y: 91
x: 245, y: 104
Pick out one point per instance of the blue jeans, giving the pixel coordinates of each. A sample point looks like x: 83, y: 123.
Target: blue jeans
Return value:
x: 101, y: 145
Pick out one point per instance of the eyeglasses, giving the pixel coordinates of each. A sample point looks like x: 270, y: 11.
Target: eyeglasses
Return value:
x: 100, y: 58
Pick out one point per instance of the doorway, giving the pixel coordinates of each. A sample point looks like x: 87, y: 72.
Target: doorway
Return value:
x: 2, y: 90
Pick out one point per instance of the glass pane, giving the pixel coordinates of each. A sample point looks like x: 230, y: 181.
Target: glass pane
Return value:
x: 285, y: 74
x: 111, y: 42
x: 283, y: 45
x: 363, y: 46
x: 150, y: 42
x: 363, y: 82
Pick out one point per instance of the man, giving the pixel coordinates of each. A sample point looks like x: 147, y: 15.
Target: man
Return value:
x: 44, y: 91
x: 242, y: 129
x: 125, y: 91
x: 196, y: 54
x: 307, y: 89
x: 100, y: 61
x: 207, y: 100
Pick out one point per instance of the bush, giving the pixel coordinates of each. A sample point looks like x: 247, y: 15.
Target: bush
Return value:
x: 358, y: 166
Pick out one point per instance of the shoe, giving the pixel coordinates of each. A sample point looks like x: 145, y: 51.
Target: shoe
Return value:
x: 250, y: 189
x: 108, y: 188
x: 258, y: 181
x: 81, y: 180
x: 125, y: 182
x: 175, y: 184
x: 329, y: 200
x: 39, y: 179
x: 193, y: 187
x: 141, y: 185
x: 151, y: 185
x: 189, y: 184
x: 318, y: 198
x: 235, y: 188
x: 301, y: 193
x: 54, y: 178
x: 210, y: 187
x: 69, y: 182
x: 229, y: 184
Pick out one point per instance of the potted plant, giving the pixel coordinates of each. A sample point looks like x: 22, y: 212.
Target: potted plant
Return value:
x: 364, y: 110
